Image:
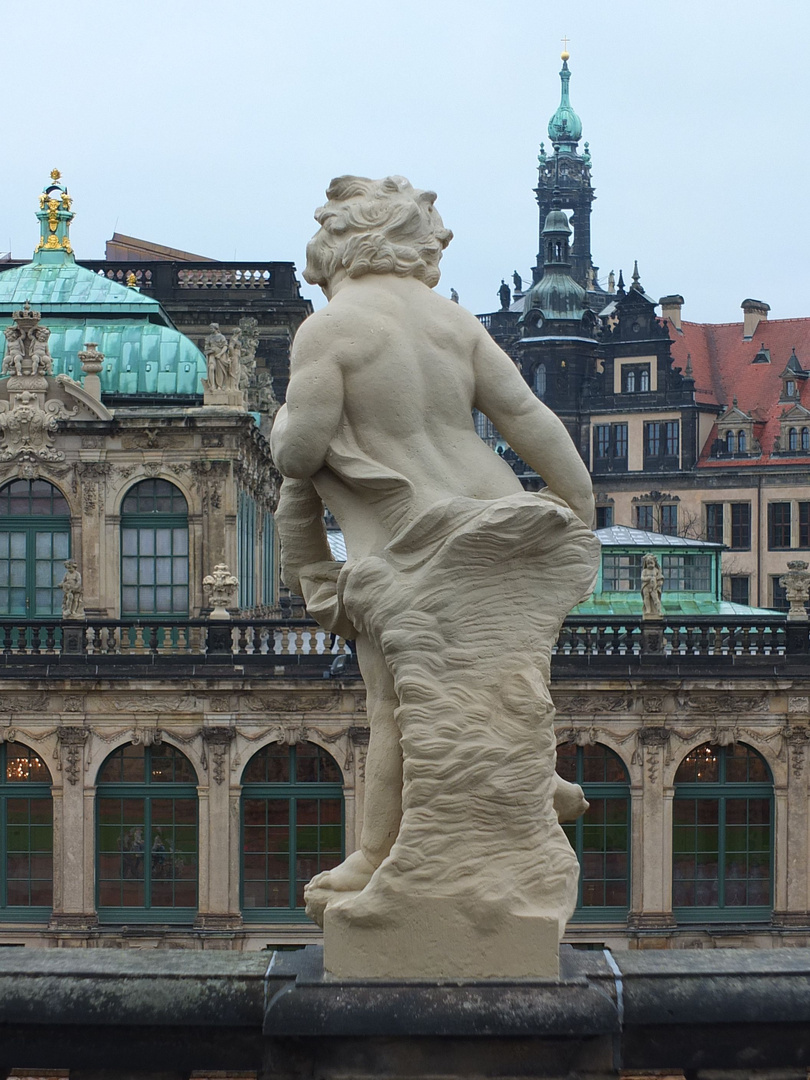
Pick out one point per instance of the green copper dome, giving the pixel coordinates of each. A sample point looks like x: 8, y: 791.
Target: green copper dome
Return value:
x: 144, y: 353
x: 565, y: 127
x: 556, y: 297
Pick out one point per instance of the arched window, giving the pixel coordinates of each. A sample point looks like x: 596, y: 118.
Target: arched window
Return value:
x: 644, y: 380
x: 805, y: 438
x: 540, y: 380
x: 630, y: 382
x: 722, y: 840
x: 154, y: 550
x: 26, y: 833
x: 147, y: 836
x: 729, y: 442
x: 34, y: 543
x: 793, y: 439
x: 741, y: 442
x: 601, y: 837
x: 292, y: 827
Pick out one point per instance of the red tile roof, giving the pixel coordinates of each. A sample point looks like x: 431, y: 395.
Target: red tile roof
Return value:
x: 723, y: 369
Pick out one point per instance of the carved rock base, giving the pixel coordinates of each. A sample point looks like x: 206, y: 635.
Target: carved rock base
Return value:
x: 437, y: 939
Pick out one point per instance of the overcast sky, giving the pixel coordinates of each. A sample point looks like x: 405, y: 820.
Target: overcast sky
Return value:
x: 215, y: 127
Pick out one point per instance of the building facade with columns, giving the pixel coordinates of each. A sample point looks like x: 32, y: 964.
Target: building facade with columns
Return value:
x: 180, y: 752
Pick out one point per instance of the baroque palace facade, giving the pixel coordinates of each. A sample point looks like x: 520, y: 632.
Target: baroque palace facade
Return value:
x: 181, y: 749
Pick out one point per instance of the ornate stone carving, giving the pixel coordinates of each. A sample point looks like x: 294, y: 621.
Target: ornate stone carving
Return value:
x: 650, y: 742
x: 89, y: 478
x: 216, y: 741
x: 587, y: 704
x: 147, y: 736
x: 714, y: 704
x: 72, y: 591
x: 796, y: 738
x: 796, y: 583
x: 220, y: 703
x: 70, y: 747
x: 220, y: 588
x: 32, y: 702
x: 73, y: 703
x: 155, y: 704
x: 291, y: 703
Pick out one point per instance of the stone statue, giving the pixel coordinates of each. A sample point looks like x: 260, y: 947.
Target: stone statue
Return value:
x: 455, y: 587
x: 15, y: 351
x: 652, y: 585
x: 220, y: 587
x: 611, y: 282
x: 248, y: 342
x: 517, y: 281
x: 454, y: 296
x: 504, y: 295
x: 796, y: 583
x: 72, y: 592
x: 218, y: 359
x: 266, y: 399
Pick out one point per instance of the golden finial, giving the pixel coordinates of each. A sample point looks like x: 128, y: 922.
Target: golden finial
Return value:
x: 132, y: 281
x: 565, y: 54
x: 55, y: 174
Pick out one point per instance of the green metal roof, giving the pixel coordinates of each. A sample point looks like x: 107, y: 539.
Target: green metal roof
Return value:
x: 54, y: 288
x: 673, y: 603
x: 139, y: 357
x: 143, y: 352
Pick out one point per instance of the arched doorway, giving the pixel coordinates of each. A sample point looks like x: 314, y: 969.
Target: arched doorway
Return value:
x: 722, y: 836
x: 26, y: 833
x: 292, y: 827
x: 601, y: 837
x: 146, y: 815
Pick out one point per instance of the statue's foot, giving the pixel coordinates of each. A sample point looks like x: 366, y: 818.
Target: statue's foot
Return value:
x: 569, y: 800
x: 353, y: 874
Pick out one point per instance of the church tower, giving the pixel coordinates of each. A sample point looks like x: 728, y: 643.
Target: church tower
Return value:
x: 568, y: 171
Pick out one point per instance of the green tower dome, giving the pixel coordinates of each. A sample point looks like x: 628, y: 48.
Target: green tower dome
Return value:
x: 556, y: 298
x: 565, y: 127
x: 144, y: 353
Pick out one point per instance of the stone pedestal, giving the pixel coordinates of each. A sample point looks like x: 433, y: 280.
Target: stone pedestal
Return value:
x: 435, y: 939
x: 233, y: 399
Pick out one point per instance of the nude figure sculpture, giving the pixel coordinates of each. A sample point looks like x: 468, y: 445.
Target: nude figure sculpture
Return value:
x: 454, y: 589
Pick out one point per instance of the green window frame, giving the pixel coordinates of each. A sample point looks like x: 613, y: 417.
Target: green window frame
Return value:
x: 246, y: 550
x: 147, y: 844
x: 292, y: 827
x: 154, y: 551
x: 601, y: 836
x: 268, y: 561
x: 722, y: 836
x: 34, y: 544
x: 26, y: 835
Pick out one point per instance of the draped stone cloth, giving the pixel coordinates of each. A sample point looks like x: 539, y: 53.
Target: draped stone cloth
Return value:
x: 465, y: 604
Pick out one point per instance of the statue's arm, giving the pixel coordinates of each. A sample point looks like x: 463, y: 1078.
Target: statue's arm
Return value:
x: 307, y: 424
x: 530, y: 428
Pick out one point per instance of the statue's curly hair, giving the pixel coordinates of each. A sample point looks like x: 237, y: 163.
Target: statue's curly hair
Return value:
x: 376, y: 227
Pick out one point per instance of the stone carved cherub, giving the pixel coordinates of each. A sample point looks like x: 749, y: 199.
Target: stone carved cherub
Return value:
x: 652, y: 585
x: 72, y: 591
x: 461, y: 791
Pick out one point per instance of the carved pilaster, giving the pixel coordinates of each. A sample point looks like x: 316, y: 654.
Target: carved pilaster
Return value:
x: 216, y: 741
x: 70, y: 758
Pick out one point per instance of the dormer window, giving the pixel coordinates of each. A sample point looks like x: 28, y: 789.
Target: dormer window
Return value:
x: 730, y: 442
x: 793, y: 439
x: 805, y: 439
x: 636, y: 379
x: 741, y: 442
x: 763, y: 356
x: 790, y: 388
